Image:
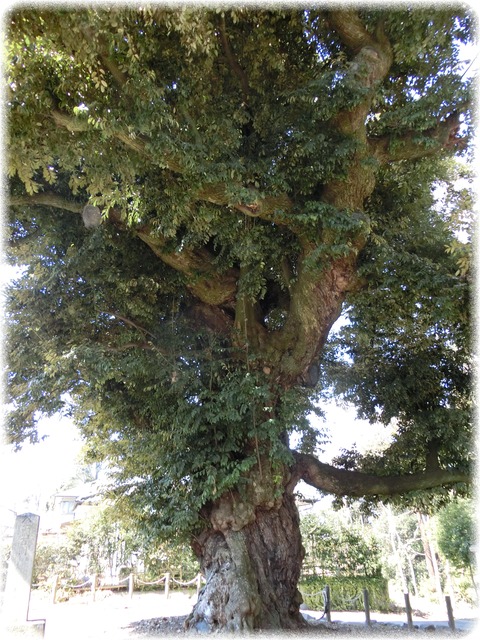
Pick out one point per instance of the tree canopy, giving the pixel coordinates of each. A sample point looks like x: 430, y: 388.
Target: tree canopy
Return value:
x: 195, y: 196
x: 220, y: 147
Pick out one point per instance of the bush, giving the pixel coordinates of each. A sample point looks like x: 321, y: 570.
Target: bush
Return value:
x: 55, y: 557
x: 456, y: 532
x: 346, y: 594
x: 335, y: 549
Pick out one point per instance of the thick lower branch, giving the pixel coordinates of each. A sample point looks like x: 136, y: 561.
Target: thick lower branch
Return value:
x: 342, y: 482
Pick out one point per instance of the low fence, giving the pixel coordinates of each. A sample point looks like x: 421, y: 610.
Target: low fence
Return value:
x: 326, y: 594
x: 347, y: 592
x: 94, y: 584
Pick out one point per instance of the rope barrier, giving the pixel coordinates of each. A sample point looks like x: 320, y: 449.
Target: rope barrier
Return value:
x: 318, y: 593
x: 150, y: 583
x: 311, y: 595
x: 137, y: 580
x: 184, y: 584
x: 326, y: 601
x: 131, y: 579
x: 78, y: 586
x: 358, y: 597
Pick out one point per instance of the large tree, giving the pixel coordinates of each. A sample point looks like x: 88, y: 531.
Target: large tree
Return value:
x: 194, y: 195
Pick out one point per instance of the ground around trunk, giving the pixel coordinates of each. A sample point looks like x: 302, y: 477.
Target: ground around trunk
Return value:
x: 151, y: 616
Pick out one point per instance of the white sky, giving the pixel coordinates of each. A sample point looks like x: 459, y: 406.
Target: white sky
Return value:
x: 29, y: 477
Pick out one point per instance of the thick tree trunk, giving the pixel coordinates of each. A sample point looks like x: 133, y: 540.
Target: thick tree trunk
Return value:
x: 251, y: 572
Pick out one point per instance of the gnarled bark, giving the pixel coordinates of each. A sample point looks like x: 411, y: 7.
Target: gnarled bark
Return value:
x: 251, y: 572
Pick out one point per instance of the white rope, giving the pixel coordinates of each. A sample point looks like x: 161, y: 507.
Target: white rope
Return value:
x: 357, y: 597
x: 79, y: 586
x: 310, y: 595
x: 185, y: 584
x: 137, y: 580
x: 149, y: 583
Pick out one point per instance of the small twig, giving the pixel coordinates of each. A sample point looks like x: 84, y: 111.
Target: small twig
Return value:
x: 132, y: 345
x: 131, y: 323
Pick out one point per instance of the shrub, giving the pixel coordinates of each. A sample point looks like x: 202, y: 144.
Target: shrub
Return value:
x: 335, y: 549
x: 346, y: 593
x: 54, y: 557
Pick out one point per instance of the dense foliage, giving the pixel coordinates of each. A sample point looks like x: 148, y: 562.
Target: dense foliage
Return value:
x: 457, y: 534
x: 407, y: 359
x: 195, y: 196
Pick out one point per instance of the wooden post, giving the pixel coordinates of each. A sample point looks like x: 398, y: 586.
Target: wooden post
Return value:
x: 408, y: 609
x: 94, y: 586
x: 451, y: 619
x: 167, y: 584
x: 367, y: 607
x: 199, y: 583
x: 130, y: 585
x: 54, y: 588
x: 327, y: 603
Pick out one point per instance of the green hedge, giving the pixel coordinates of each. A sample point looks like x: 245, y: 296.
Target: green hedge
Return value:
x: 346, y: 594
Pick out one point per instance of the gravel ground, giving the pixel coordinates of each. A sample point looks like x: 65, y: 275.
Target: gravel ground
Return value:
x: 151, y: 616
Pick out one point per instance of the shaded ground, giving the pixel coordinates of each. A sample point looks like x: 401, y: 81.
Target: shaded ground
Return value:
x: 152, y: 616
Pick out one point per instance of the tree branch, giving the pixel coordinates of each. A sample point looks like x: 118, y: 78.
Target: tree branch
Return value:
x: 315, y: 302
x: 146, y: 346
x: 236, y: 68
x: 47, y: 200
x: 130, y: 323
x: 413, y: 145
x: 342, y: 482
x: 205, y: 282
x: 265, y: 207
x: 118, y: 75
x: 134, y: 142
x: 250, y: 333
x: 350, y: 29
